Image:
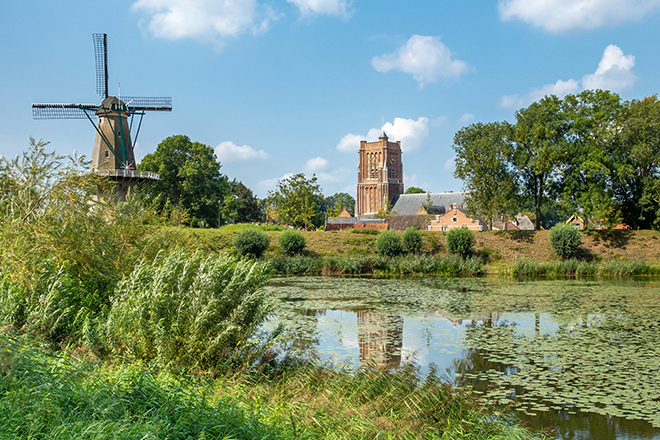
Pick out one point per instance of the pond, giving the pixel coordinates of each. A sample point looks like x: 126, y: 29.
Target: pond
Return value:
x: 580, y: 355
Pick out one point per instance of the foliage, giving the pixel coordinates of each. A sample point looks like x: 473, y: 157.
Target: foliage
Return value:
x: 386, y: 212
x: 291, y: 242
x: 297, y: 202
x: 189, y: 179
x: 190, y: 311
x: 412, y: 239
x: 460, y: 241
x: 240, y: 205
x: 251, y: 242
x: 414, y: 190
x: 337, y: 202
x: 489, y: 254
x: 64, y: 248
x: 565, y: 240
x: 573, y: 268
x: 484, y: 153
x: 388, y: 244
x: 50, y: 396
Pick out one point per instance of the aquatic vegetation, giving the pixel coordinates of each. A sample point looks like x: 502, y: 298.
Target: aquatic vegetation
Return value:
x: 530, y: 268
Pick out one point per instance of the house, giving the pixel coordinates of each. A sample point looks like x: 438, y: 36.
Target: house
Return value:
x: 454, y: 218
x: 580, y: 223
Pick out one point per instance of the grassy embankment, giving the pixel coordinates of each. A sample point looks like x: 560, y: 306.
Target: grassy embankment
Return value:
x: 518, y: 253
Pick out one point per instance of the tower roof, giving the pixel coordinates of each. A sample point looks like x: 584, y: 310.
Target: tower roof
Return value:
x: 383, y: 135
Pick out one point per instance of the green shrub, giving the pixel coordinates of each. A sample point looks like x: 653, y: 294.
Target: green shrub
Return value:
x: 412, y: 239
x: 490, y: 255
x: 565, y: 240
x: 291, y: 242
x: 460, y: 241
x: 190, y: 311
x: 388, y: 244
x: 251, y: 242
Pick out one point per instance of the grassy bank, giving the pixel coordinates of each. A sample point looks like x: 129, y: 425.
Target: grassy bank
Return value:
x: 501, y: 252
x: 55, y: 397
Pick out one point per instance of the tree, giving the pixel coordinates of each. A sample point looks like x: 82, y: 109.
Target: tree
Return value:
x: 240, y: 205
x: 484, y: 154
x: 636, y: 158
x: 414, y: 190
x: 337, y: 202
x: 189, y: 178
x: 298, y: 201
x: 540, y: 148
x: 584, y: 186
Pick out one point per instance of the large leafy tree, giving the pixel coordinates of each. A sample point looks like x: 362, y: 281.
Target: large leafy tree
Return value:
x: 240, y: 205
x: 484, y: 154
x: 298, y: 201
x: 414, y: 190
x: 540, y: 138
x: 189, y: 178
x: 335, y: 204
x: 585, y: 183
x: 636, y: 163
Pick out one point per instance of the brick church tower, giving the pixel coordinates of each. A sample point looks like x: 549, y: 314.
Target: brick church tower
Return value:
x: 380, y: 175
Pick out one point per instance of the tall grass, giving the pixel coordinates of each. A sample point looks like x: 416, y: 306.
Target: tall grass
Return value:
x: 402, y: 264
x: 190, y: 311
x: 530, y: 268
x: 48, y: 396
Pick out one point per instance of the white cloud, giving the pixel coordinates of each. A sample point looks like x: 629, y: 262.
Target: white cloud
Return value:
x: 450, y: 164
x: 409, y: 180
x: 425, y: 58
x: 336, y: 176
x: 563, y: 15
x: 410, y: 132
x: 315, y: 164
x: 204, y: 19
x: 339, y: 8
x: 350, y: 142
x: 466, y: 118
x: 614, y: 73
x: 229, y: 152
x: 271, y: 184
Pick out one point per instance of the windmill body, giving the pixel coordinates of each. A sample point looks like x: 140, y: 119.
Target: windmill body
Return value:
x: 117, y: 123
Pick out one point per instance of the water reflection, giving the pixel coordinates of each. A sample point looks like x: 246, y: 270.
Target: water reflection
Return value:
x: 380, y: 338
x: 580, y: 355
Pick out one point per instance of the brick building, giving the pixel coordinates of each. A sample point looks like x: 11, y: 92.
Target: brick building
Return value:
x: 380, y: 175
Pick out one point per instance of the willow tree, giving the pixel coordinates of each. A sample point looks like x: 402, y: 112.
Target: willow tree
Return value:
x: 484, y: 154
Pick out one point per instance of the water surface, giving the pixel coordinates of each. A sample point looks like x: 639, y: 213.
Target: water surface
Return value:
x: 582, y: 356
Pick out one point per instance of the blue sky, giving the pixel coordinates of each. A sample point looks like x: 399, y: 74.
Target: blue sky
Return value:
x: 289, y: 86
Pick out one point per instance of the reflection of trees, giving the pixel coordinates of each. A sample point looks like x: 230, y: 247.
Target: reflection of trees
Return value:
x: 380, y: 338
x: 304, y: 336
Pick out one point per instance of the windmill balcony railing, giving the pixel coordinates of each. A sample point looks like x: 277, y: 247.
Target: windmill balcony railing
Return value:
x: 131, y: 174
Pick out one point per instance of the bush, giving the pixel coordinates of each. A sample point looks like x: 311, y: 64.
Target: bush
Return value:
x: 251, y: 242
x: 412, y: 239
x: 460, y: 241
x: 388, y: 244
x: 363, y: 231
x: 565, y: 240
x: 291, y: 242
x: 190, y: 311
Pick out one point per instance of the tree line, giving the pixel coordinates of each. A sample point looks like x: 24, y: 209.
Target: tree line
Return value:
x: 192, y: 191
x: 590, y: 154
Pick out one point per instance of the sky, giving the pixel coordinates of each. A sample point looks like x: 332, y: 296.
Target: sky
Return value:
x: 279, y: 87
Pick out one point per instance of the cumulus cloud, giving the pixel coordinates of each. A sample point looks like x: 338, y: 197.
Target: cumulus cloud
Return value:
x: 339, y: 8
x: 409, y: 179
x: 425, y: 58
x: 271, y: 184
x: 614, y: 73
x: 410, y: 132
x: 229, y: 152
x: 315, y: 164
x: 563, y: 15
x: 204, y: 19
x: 466, y: 118
x: 450, y: 164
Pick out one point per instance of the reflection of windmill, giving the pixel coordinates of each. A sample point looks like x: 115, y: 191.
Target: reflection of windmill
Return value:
x: 112, y: 154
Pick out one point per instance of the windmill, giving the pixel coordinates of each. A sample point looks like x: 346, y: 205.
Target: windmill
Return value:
x: 112, y: 153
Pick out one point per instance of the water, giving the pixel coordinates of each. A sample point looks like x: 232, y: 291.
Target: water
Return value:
x: 582, y: 356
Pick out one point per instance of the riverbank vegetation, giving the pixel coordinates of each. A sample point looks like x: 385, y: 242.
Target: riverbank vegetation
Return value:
x: 115, y: 326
